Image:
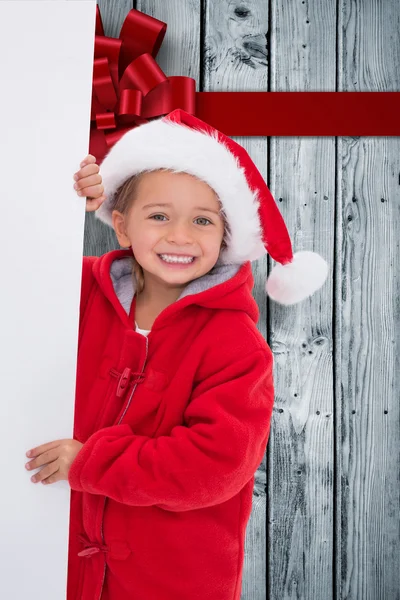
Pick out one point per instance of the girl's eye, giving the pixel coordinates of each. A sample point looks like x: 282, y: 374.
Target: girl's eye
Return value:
x: 204, y: 219
x: 159, y: 215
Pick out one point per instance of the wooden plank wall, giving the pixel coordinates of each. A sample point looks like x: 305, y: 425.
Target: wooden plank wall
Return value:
x: 325, y: 522
x: 367, y: 524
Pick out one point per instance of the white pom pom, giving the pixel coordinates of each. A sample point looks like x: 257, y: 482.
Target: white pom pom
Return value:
x: 291, y: 283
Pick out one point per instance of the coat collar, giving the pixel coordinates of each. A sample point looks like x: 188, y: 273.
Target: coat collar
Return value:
x: 225, y: 286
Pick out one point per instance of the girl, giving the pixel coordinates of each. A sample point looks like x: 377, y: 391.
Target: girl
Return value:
x: 174, y: 390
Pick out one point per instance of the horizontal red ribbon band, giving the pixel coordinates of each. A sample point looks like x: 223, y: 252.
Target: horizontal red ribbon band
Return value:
x: 301, y: 113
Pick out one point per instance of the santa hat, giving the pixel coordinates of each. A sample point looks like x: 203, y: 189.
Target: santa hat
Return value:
x: 183, y: 143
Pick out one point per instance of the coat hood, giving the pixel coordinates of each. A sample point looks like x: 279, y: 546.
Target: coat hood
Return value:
x: 224, y: 287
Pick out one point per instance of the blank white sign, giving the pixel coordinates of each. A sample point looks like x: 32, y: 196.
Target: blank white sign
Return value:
x: 46, y: 60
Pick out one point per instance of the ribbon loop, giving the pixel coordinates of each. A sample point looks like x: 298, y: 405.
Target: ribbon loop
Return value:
x: 130, y: 105
x: 143, y: 73
x: 129, y: 87
x: 141, y: 34
x: 105, y: 120
x: 103, y: 84
x: 107, y: 47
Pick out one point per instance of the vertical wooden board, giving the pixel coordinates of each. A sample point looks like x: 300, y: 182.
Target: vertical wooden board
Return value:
x: 46, y: 58
x: 368, y: 327
x: 301, y: 457
x: 100, y: 238
x: 235, y: 59
x: 180, y: 51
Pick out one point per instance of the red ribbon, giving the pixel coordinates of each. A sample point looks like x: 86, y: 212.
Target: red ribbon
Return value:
x: 301, y: 113
x: 129, y: 88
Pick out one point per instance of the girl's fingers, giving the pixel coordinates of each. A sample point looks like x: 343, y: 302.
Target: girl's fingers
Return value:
x: 83, y: 184
x: 92, y: 193
x: 88, y: 183
x: 47, y: 471
x: 53, y: 478
x: 91, y: 169
x: 94, y: 204
x: 43, y: 459
x: 43, y: 448
x: 88, y: 159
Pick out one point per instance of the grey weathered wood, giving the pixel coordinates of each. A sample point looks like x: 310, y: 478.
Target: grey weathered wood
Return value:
x: 180, y: 51
x: 368, y: 320
x: 301, y: 449
x: 235, y: 59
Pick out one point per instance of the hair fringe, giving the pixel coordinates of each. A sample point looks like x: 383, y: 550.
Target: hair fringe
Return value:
x: 123, y: 201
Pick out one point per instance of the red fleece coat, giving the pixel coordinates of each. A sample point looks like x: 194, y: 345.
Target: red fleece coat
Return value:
x: 173, y: 428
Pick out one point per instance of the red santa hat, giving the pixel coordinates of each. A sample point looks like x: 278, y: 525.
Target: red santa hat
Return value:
x: 183, y: 143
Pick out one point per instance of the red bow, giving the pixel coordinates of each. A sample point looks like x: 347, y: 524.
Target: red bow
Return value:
x: 129, y: 88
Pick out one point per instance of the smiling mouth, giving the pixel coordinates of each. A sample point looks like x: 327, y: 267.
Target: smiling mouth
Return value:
x: 179, y: 262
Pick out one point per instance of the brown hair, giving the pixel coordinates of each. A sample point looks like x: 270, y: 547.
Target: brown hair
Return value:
x: 123, y: 201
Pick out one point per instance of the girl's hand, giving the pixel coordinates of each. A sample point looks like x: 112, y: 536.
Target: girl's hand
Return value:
x: 88, y: 183
x: 58, y: 457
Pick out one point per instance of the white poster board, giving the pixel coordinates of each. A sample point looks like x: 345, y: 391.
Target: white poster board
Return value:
x: 46, y: 60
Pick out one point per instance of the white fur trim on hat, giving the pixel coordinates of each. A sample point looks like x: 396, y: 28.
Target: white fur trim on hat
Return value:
x: 166, y: 144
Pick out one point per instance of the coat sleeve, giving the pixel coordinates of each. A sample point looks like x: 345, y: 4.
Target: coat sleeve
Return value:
x: 204, y: 462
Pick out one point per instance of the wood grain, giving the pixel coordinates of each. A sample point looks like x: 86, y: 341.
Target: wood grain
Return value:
x: 301, y: 449
x: 368, y: 318
x: 235, y: 59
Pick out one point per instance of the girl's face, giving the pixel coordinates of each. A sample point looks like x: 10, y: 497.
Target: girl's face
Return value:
x: 172, y: 214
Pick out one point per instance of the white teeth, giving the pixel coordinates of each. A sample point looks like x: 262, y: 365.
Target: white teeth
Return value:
x: 176, y: 259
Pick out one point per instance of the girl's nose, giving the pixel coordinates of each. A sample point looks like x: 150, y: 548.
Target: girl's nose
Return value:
x: 179, y: 234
